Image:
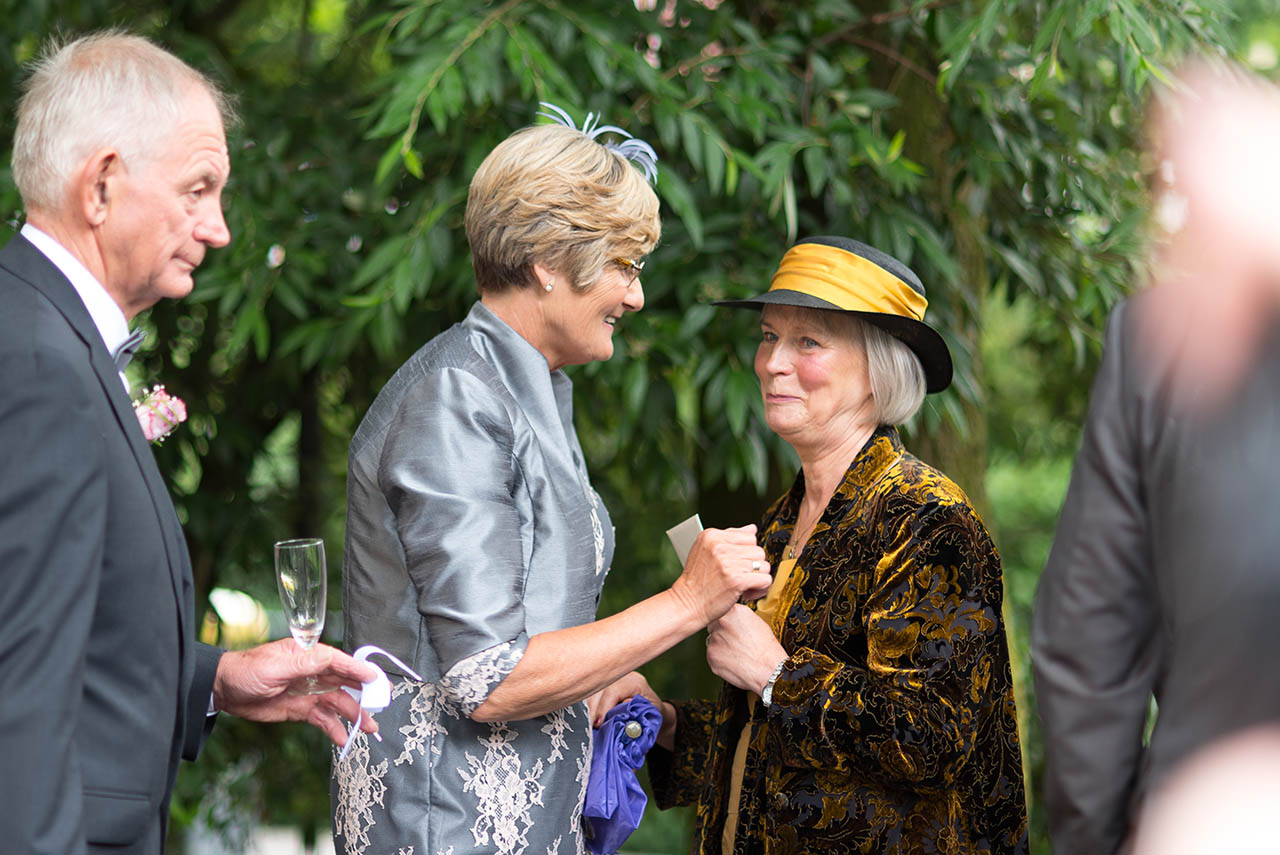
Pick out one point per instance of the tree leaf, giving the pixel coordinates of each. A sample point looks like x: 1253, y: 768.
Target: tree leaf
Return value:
x: 679, y: 196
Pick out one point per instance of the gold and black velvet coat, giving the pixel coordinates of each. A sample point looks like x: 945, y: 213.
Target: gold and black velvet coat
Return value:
x: 892, y: 728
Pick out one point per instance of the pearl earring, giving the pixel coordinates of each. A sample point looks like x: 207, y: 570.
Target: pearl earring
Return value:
x: 548, y: 285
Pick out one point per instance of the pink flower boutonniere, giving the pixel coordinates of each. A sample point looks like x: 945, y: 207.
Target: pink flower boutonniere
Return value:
x: 159, y: 413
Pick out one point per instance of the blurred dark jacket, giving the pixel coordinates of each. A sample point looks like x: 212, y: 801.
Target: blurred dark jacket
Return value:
x: 1162, y: 582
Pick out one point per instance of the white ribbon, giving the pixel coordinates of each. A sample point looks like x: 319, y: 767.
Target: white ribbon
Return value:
x: 375, y: 695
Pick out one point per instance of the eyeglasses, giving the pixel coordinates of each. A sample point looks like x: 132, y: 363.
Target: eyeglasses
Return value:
x: 630, y: 269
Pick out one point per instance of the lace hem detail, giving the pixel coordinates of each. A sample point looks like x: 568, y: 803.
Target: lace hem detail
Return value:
x: 424, y: 732
x: 361, y: 788
x: 505, y: 791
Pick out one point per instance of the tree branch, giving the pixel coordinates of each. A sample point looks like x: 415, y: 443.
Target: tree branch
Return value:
x: 884, y: 18
x: 894, y: 55
x: 479, y: 30
x: 685, y: 66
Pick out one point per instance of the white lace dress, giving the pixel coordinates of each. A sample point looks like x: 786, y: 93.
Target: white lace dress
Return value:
x: 471, y: 526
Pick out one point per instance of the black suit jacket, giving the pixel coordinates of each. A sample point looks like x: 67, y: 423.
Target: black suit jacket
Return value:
x: 102, y: 687
x: 1164, y: 581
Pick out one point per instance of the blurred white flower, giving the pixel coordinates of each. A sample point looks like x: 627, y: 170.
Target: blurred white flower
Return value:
x: 653, y: 42
x: 275, y: 256
x: 244, y: 620
x: 1262, y: 55
x: 353, y: 199
x: 667, y: 16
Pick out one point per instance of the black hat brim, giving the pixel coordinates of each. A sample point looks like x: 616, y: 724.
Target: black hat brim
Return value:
x: 924, y: 340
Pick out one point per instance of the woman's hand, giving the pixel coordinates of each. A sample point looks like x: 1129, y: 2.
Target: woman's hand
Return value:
x: 565, y: 666
x: 742, y: 649
x: 625, y: 688
x: 724, y: 566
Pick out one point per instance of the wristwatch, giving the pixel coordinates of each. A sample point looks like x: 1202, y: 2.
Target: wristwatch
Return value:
x: 766, y: 694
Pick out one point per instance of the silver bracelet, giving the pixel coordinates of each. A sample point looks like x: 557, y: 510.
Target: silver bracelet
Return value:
x: 766, y: 694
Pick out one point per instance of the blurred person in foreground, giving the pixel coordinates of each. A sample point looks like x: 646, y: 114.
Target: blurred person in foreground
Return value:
x: 120, y: 158
x: 1222, y: 798
x: 868, y: 701
x: 1161, y: 582
x: 1218, y: 260
x: 476, y: 546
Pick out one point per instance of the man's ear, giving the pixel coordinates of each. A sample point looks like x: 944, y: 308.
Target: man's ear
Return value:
x: 96, y: 184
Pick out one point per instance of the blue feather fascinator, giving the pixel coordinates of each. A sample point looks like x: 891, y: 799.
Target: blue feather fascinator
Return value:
x: 635, y: 150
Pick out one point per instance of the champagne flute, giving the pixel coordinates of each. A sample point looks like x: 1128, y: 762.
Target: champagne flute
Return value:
x: 302, y: 580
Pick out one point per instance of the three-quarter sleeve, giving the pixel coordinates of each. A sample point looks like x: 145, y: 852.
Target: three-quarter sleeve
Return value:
x: 906, y: 705
x: 450, y: 477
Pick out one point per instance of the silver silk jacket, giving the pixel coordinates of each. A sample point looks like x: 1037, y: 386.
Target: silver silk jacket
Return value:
x: 471, y: 526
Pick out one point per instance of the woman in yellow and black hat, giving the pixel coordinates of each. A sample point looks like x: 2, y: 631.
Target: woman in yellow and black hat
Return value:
x: 868, y: 704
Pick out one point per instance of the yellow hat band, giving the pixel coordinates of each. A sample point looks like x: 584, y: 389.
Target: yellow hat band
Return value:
x: 846, y: 280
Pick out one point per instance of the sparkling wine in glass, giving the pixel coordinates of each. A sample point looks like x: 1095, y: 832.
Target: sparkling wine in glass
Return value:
x: 302, y: 580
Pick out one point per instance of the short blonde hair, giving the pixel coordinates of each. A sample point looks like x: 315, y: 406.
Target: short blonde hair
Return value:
x: 551, y: 195
x: 893, y: 369
x: 105, y: 90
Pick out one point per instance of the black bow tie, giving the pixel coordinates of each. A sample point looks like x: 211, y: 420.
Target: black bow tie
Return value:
x: 126, y: 349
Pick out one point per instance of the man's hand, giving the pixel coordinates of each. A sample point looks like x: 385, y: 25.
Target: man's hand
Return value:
x: 254, y: 684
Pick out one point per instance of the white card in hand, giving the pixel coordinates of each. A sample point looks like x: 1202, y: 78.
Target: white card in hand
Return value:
x: 683, y: 535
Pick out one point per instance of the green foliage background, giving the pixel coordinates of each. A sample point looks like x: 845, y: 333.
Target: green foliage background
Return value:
x: 993, y: 145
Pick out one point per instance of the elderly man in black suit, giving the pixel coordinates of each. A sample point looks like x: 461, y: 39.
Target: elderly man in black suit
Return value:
x: 120, y: 158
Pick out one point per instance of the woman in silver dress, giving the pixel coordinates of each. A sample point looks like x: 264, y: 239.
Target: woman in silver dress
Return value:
x: 476, y: 547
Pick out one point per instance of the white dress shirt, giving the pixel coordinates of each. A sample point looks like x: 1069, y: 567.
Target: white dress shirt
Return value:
x: 106, y: 314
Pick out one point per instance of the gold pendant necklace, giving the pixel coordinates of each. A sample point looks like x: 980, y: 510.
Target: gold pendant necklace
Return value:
x: 796, y: 539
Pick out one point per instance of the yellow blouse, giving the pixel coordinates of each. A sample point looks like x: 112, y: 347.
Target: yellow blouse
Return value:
x: 767, y: 607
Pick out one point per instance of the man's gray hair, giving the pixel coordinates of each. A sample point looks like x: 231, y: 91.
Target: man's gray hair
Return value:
x: 105, y: 90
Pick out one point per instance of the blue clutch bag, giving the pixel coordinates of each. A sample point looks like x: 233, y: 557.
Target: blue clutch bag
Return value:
x: 615, y: 801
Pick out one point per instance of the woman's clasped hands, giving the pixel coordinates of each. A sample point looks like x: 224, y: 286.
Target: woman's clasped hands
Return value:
x: 724, y: 567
